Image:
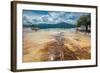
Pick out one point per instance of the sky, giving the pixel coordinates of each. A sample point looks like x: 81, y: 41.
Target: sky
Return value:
x: 35, y: 17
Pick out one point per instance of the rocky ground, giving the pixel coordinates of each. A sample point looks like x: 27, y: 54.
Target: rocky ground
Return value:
x: 47, y: 46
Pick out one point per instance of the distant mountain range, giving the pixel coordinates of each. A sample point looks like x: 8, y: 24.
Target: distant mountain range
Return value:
x: 59, y: 25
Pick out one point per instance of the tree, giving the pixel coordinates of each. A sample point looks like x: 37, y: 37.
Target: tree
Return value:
x: 85, y: 21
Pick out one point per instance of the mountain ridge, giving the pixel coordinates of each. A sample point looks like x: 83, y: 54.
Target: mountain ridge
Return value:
x: 58, y: 25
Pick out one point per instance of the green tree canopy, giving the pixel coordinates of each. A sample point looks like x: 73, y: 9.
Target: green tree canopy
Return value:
x: 84, y: 20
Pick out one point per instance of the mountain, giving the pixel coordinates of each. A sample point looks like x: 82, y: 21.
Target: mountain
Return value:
x: 60, y: 25
x: 45, y: 26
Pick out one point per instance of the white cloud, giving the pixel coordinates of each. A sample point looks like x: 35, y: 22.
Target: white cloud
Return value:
x: 51, y: 18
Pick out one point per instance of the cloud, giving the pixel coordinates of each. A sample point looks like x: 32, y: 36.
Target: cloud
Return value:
x: 50, y: 17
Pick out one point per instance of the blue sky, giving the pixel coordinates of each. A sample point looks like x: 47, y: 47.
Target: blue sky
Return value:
x: 50, y: 17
